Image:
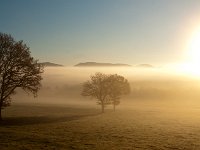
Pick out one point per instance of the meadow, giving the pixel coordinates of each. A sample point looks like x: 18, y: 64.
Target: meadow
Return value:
x: 143, y: 126
x: 162, y: 112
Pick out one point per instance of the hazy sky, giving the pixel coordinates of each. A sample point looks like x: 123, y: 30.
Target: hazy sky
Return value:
x: 118, y: 31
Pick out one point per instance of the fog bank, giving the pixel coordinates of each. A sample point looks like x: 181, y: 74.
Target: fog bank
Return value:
x: 64, y: 84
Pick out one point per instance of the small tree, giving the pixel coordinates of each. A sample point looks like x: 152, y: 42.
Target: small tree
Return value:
x: 17, y: 70
x: 97, y: 88
x: 107, y: 89
x: 118, y: 86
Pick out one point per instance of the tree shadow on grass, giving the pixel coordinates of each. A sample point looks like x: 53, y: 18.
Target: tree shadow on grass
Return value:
x: 20, y: 121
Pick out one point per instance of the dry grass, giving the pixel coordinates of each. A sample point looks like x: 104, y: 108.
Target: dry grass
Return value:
x: 70, y: 127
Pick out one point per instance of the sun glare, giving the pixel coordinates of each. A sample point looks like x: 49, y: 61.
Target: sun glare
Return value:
x: 194, y: 48
x: 192, y: 63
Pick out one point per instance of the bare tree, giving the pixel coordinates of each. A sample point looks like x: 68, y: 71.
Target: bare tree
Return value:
x: 107, y: 89
x: 17, y: 70
x: 97, y: 88
x: 118, y: 86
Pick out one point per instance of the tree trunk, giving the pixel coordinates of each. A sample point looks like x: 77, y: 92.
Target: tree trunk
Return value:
x: 0, y: 115
x: 1, y: 103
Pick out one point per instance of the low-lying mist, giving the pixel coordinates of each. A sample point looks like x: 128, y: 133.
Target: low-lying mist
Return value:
x: 148, y: 86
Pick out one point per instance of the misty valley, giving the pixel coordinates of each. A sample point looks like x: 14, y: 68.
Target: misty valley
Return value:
x: 161, y: 112
x: 100, y: 75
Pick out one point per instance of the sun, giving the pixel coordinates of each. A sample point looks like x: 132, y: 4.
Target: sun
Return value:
x: 192, y: 63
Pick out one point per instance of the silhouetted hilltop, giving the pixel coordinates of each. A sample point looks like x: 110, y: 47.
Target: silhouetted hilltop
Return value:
x: 95, y: 64
x: 145, y: 66
x: 49, y: 64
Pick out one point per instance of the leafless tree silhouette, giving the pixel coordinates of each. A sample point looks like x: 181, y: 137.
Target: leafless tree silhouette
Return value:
x: 118, y: 86
x: 107, y: 89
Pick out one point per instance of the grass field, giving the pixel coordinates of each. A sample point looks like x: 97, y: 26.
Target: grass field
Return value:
x: 39, y: 126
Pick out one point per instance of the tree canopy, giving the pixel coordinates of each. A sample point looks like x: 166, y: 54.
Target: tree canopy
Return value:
x: 17, y: 69
x: 107, y: 89
x: 118, y: 86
